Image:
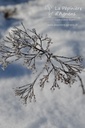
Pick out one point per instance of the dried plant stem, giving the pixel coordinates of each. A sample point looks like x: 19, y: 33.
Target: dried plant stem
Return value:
x: 32, y: 47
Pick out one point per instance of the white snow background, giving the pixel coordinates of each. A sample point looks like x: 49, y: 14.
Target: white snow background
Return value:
x: 64, y: 108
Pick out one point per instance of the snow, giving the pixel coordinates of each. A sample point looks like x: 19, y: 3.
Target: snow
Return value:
x: 64, y: 108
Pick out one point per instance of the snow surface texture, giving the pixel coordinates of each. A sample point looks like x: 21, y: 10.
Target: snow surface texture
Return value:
x: 64, y: 108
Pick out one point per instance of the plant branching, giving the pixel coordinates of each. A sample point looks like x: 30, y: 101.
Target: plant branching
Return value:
x: 31, y: 47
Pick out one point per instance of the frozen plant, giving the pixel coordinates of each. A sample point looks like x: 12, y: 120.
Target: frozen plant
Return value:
x: 31, y: 47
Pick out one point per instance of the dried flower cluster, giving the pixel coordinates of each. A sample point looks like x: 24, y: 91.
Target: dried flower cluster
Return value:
x: 32, y: 47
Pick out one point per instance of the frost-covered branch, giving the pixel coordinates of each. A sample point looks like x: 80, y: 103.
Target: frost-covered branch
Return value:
x: 31, y: 47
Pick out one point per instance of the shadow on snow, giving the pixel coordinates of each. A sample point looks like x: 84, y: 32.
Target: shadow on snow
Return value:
x: 14, y: 70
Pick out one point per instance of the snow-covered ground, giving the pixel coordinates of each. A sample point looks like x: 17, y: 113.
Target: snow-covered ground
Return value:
x: 64, y: 108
